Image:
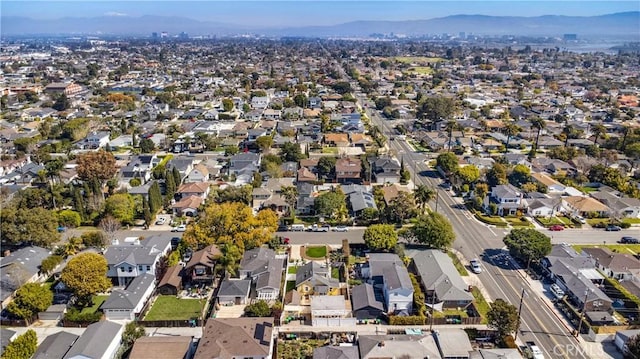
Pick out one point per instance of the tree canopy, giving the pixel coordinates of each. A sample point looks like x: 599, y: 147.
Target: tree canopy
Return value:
x: 437, y: 108
x: 468, y: 174
x: 434, y: 230
x: 86, y: 275
x: 329, y: 203
x: 258, y: 309
x: 380, y: 237
x: 30, y: 299
x: 36, y: 225
x: 232, y: 223
x: 448, y: 162
x: 121, y: 206
x: 291, y: 152
x: 527, y: 244
x: 24, y: 346
x: 99, y: 165
x: 502, y: 317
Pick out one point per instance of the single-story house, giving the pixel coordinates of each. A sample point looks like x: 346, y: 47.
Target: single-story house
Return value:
x: 100, y: 340
x: 364, y: 302
x: 234, y: 291
x: 55, y: 345
x: 330, y: 311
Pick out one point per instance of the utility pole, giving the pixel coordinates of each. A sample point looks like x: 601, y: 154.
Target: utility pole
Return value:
x: 433, y: 303
x: 519, y: 313
x: 584, y: 307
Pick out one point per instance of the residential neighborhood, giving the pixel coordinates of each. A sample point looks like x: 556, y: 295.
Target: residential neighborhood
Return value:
x: 296, y: 198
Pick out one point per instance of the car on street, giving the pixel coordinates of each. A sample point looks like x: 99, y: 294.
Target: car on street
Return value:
x: 556, y: 227
x: 475, y: 266
x: 180, y: 228
x: 282, y: 228
x: 612, y: 228
x: 580, y: 219
x: 340, y: 229
x: 161, y: 221
x: 629, y: 240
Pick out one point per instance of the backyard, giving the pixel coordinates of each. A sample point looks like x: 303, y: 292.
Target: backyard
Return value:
x: 168, y: 307
x: 97, y: 302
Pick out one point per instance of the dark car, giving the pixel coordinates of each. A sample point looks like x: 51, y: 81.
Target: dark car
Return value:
x: 612, y: 228
x: 629, y: 240
x: 282, y: 228
x: 556, y: 227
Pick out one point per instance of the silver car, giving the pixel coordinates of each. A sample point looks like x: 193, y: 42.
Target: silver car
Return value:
x: 475, y: 266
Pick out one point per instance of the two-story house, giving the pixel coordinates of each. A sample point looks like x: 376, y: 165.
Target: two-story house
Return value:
x: 348, y: 170
x: 440, y: 279
x: 95, y: 140
x: 244, y: 163
x: 387, y: 273
x: 134, y: 257
x: 385, y: 170
x: 198, y: 189
x: 508, y: 200
x: 264, y: 268
x: 201, y: 266
x: 260, y: 102
x: 200, y: 173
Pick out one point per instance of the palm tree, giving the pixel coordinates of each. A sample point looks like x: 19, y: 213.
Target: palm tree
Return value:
x: 566, y: 131
x: 422, y: 195
x: 451, y: 126
x: 598, y: 130
x: 511, y: 129
x: 290, y: 194
x: 538, y: 124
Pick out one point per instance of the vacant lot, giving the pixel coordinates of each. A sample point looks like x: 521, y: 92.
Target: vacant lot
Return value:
x: 168, y: 307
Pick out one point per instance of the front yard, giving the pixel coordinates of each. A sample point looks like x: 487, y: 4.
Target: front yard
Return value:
x: 620, y: 248
x: 316, y: 252
x: 168, y: 307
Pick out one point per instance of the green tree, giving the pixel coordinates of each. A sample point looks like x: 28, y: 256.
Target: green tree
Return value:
x: 30, y: 299
x: 401, y: 208
x: 448, y: 162
x: 437, y: 108
x: 291, y: 152
x: 527, y: 244
x: 434, y: 230
x: 258, y: 309
x: 539, y: 124
x: 50, y: 263
x: 177, y: 177
x: 632, y: 348
x: 502, y: 317
x: 227, y: 104
x: 380, y: 237
x: 132, y: 331
x: 598, y: 131
x: 230, y: 259
x: 290, y: 194
x: 24, y: 346
x: 326, y: 166
x: 94, y: 239
x: 231, y: 222
x: 468, y: 174
x: 147, y: 145
x: 62, y: 103
x: 301, y: 100
x: 69, y: 218
x: 170, y: 188
x: 86, y: 275
x: 37, y: 226
x: 497, y: 175
x: 234, y: 194
x: 264, y: 142
x: 423, y: 194
x: 510, y: 130
x: 328, y: 203
x: 521, y: 174
x: 121, y: 206
x: 155, y: 198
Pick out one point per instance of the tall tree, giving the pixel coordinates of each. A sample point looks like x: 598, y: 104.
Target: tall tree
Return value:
x: 539, y: 124
x: 170, y: 188
x: 86, y: 275
x: 502, y: 317
x: 30, y: 299
x: 401, y: 208
x: 380, y: 237
x: 264, y: 142
x: 24, y: 346
x: 291, y: 152
x: 448, y: 162
x: 121, y: 206
x: 497, y: 175
x: 290, y: 194
x: 527, y: 244
x: 450, y: 127
x: 510, y: 130
x: 434, y: 230
x: 109, y: 226
x: 326, y: 166
x: 177, y: 177
x: 328, y: 203
x: 423, y: 194
x: 99, y: 165
x: 598, y: 131
x: 155, y: 197
x: 37, y: 226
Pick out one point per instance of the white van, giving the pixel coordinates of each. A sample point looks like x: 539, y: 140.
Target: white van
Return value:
x: 297, y: 227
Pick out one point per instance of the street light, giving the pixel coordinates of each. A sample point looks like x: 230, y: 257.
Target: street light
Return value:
x: 519, y: 313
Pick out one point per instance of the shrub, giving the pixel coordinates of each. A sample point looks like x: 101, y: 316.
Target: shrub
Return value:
x: 74, y: 315
x: 409, y: 320
x: 625, y: 225
x: 508, y: 342
x: 50, y: 263
x: 69, y: 218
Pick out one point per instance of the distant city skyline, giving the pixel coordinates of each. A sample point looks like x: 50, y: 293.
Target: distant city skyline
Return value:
x: 309, y: 13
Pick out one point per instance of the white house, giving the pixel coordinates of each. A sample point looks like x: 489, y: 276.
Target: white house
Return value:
x: 134, y: 258
x: 125, y: 304
x: 386, y: 272
x: 95, y: 140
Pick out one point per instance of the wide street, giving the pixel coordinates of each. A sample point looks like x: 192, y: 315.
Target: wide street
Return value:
x: 474, y: 239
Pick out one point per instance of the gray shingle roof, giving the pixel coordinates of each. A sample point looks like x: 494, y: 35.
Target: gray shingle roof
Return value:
x: 55, y: 346
x: 436, y: 270
x: 309, y: 270
x: 132, y: 295
x: 95, y: 340
x: 336, y: 353
x: 256, y: 259
x: 234, y: 288
x: 144, y: 253
x: 396, y: 276
x: 363, y: 296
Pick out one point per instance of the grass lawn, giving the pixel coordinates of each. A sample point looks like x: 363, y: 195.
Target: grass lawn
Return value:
x: 620, y: 248
x: 316, y: 252
x: 631, y: 220
x: 443, y: 314
x: 335, y: 273
x: 292, y: 270
x: 494, y: 220
x: 168, y: 307
x: 333, y: 150
x: 456, y: 262
x: 595, y: 221
x: 418, y: 59
x: 291, y: 285
x: 517, y: 222
x: 97, y: 302
x: 481, y: 304
x: 302, y: 348
x: 421, y: 70
x: 418, y: 147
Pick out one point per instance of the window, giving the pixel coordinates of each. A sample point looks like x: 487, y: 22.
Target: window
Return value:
x: 139, y: 267
x: 148, y: 268
x: 130, y: 269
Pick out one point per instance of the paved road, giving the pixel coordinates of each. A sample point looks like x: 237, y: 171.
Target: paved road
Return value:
x: 474, y: 239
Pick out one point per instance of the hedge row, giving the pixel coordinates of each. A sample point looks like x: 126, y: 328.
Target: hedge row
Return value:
x: 409, y: 320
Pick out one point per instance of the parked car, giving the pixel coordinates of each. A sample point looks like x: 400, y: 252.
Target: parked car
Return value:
x: 556, y: 227
x: 161, y: 221
x: 282, y: 228
x: 629, y: 240
x: 557, y: 292
x: 340, y: 229
x: 180, y: 228
x: 580, y: 219
x: 612, y: 228
x: 475, y: 266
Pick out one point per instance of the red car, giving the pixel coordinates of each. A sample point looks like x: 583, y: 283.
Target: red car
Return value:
x: 556, y: 227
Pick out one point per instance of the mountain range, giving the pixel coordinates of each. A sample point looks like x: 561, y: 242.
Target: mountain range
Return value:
x: 625, y: 23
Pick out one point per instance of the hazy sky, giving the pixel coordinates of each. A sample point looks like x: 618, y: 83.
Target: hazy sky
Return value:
x: 305, y: 12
